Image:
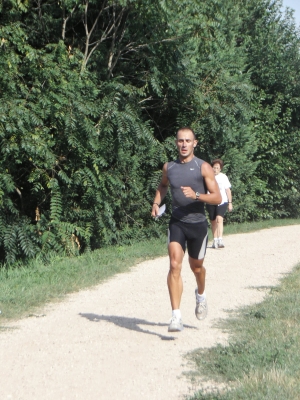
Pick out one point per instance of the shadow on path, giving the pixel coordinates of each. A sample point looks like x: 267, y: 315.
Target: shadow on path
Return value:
x: 131, y: 324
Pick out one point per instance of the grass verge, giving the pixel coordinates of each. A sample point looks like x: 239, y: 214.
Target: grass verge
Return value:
x: 24, y: 289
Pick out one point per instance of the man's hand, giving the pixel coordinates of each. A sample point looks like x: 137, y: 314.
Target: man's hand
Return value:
x: 155, y: 210
x: 188, y: 192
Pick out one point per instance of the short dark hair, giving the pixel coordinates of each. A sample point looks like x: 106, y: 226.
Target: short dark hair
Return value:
x: 217, y: 161
x: 186, y: 128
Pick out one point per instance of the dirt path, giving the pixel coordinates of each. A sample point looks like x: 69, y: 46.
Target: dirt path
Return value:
x: 111, y: 342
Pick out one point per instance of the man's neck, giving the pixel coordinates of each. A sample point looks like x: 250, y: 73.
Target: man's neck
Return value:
x: 184, y: 160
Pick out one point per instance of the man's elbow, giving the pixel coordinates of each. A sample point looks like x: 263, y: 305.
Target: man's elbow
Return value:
x: 217, y: 199
x: 162, y: 188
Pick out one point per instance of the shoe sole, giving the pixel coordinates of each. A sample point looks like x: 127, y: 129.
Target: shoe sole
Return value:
x: 175, y: 330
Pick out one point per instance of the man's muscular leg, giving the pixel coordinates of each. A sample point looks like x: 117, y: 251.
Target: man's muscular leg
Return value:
x: 174, y: 279
x: 199, y: 272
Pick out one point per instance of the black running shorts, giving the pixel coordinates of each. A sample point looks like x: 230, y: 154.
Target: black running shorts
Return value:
x: 214, y: 211
x: 192, y: 236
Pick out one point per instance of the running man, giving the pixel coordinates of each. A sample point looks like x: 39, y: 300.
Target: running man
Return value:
x: 189, y: 178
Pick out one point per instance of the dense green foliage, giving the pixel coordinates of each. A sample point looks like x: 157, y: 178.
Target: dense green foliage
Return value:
x: 92, y: 93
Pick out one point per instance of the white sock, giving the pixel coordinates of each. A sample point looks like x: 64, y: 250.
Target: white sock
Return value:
x: 176, y: 313
x: 220, y: 238
x: 201, y: 297
x: 216, y: 239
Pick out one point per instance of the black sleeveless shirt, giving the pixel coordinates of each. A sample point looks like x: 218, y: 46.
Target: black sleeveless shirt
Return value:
x: 186, y: 174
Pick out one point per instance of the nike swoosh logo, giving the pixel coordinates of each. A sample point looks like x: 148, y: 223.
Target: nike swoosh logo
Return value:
x: 192, y: 169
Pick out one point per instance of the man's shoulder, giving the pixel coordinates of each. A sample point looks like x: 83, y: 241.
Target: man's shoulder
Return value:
x: 221, y: 175
x: 198, y: 161
x: 172, y: 163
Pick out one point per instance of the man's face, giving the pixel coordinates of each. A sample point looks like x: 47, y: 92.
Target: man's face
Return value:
x: 217, y: 168
x: 185, y: 143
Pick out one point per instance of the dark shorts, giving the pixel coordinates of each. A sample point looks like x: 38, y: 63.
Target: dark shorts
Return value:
x: 214, y: 211
x: 192, y: 236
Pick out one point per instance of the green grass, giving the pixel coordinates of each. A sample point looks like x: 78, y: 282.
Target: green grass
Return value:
x: 24, y: 289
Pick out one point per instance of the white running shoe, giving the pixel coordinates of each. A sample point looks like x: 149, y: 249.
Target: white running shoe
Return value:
x: 201, y: 307
x: 220, y: 244
x: 215, y: 244
x: 176, y: 325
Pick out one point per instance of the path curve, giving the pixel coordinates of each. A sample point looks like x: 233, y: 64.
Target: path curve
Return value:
x: 111, y: 342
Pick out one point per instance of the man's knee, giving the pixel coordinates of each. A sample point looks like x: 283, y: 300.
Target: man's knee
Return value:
x: 196, y: 265
x: 198, y: 270
x: 175, y: 267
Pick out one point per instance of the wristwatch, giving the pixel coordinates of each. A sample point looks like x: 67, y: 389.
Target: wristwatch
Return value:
x: 197, y: 195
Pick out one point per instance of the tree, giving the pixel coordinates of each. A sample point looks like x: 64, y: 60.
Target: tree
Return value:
x: 92, y: 93
x: 273, y: 60
x: 70, y: 155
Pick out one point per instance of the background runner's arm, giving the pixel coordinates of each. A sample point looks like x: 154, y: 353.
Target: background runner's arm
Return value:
x: 229, y: 196
x: 160, y: 192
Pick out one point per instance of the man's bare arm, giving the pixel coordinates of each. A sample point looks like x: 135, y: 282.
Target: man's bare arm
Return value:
x: 160, y: 192
x: 214, y: 195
